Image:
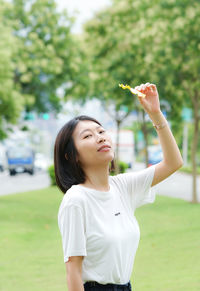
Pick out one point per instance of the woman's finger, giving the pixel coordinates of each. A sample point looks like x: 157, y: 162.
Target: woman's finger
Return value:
x: 142, y: 87
x: 151, y: 89
x: 148, y: 86
x: 153, y: 86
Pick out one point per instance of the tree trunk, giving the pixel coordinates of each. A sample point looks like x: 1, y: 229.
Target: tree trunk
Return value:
x: 118, y: 119
x: 145, y: 133
x: 194, y: 151
x: 117, y: 170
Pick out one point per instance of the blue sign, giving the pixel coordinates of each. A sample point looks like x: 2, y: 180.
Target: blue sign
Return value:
x: 140, y: 135
x: 45, y: 116
x: 187, y: 114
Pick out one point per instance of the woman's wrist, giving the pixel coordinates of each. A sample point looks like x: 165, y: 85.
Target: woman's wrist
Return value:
x: 157, y: 117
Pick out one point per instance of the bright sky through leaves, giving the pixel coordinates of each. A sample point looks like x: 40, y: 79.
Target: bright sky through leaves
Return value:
x: 86, y: 8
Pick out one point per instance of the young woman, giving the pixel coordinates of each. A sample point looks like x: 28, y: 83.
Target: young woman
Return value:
x: 100, y: 234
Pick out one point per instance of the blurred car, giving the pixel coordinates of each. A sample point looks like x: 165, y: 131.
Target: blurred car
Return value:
x: 155, y: 155
x: 20, y: 160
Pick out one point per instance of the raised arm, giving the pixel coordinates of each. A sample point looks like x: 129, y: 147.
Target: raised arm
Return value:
x: 172, y: 159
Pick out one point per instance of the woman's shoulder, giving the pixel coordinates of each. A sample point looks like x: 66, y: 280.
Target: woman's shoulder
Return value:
x: 73, y: 197
x: 117, y: 181
x: 132, y: 178
x: 119, y: 178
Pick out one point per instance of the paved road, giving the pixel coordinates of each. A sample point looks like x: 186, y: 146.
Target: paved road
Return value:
x: 22, y: 182
x: 178, y: 185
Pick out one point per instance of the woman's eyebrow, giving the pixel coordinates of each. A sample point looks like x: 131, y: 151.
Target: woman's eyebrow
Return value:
x: 88, y: 129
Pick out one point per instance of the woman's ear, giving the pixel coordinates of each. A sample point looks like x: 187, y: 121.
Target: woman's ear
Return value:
x: 77, y: 157
x: 66, y: 157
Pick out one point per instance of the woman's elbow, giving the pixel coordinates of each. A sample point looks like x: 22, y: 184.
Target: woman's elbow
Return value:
x: 180, y: 162
x: 178, y: 165
x: 173, y: 167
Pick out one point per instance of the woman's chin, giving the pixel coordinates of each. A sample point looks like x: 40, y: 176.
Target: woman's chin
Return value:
x: 105, y: 160
x: 109, y: 159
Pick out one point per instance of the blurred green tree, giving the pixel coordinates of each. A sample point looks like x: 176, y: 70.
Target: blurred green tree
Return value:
x: 11, y: 101
x: 78, y: 87
x: 121, y: 45
x: 43, y: 48
x: 43, y: 61
x: 112, y: 59
x: 41, y: 54
x: 177, y: 25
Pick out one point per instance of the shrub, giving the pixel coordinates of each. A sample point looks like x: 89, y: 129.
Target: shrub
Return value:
x: 122, y: 167
x: 52, y: 175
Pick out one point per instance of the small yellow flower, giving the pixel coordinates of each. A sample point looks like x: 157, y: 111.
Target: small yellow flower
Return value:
x: 133, y: 91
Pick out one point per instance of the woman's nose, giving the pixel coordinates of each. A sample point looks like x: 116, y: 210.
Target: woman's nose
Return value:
x: 100, y: 138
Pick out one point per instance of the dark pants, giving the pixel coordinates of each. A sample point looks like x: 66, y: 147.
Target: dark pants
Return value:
x: 94, y: 286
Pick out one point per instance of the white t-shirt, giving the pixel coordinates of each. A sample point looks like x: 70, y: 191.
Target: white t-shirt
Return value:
x: 101, y: 226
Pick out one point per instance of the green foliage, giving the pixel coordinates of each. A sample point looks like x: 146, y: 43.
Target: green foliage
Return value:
x: 139, y: 41
x: 111, y: 56
x: 11, y: 101
x: 45, y: 54
x: 36, y: 57
x: 177, y: 54
x: 51, y: 173
x: 136, y: 42
x: 80, y: 82
x: 122, y: 168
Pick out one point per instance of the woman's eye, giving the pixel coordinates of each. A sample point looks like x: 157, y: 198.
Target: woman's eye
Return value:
x: 102, y: 131
x: 87, y: 136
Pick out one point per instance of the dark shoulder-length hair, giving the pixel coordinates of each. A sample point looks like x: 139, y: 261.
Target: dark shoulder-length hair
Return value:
x: 68, y: 170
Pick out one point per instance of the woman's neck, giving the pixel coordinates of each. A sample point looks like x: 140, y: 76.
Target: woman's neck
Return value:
x: 97, y: 178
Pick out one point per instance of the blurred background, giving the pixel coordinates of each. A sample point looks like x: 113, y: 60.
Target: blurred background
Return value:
x: 64, y: 58
x: 59, y: 59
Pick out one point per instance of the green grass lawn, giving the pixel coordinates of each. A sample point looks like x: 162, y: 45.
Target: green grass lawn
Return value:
x: 31, y: 258
x: 168, y: 257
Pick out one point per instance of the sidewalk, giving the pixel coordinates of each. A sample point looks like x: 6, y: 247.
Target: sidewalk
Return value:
x: 178, y: 185
x: 23, y: 182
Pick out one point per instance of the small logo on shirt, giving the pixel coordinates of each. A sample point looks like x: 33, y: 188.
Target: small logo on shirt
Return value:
x: 118, y: 213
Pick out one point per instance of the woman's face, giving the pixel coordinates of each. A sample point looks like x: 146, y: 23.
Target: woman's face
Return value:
x: 93, y: 144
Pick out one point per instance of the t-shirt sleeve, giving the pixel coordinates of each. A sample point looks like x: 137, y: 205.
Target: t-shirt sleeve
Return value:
x: 72, y: 229
x: 138, y: 186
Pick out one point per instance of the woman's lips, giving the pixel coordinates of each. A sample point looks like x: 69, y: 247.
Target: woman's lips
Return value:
x: 104, y: 148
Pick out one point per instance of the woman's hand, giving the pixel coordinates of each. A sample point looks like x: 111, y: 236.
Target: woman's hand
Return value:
x: 151, y: 102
